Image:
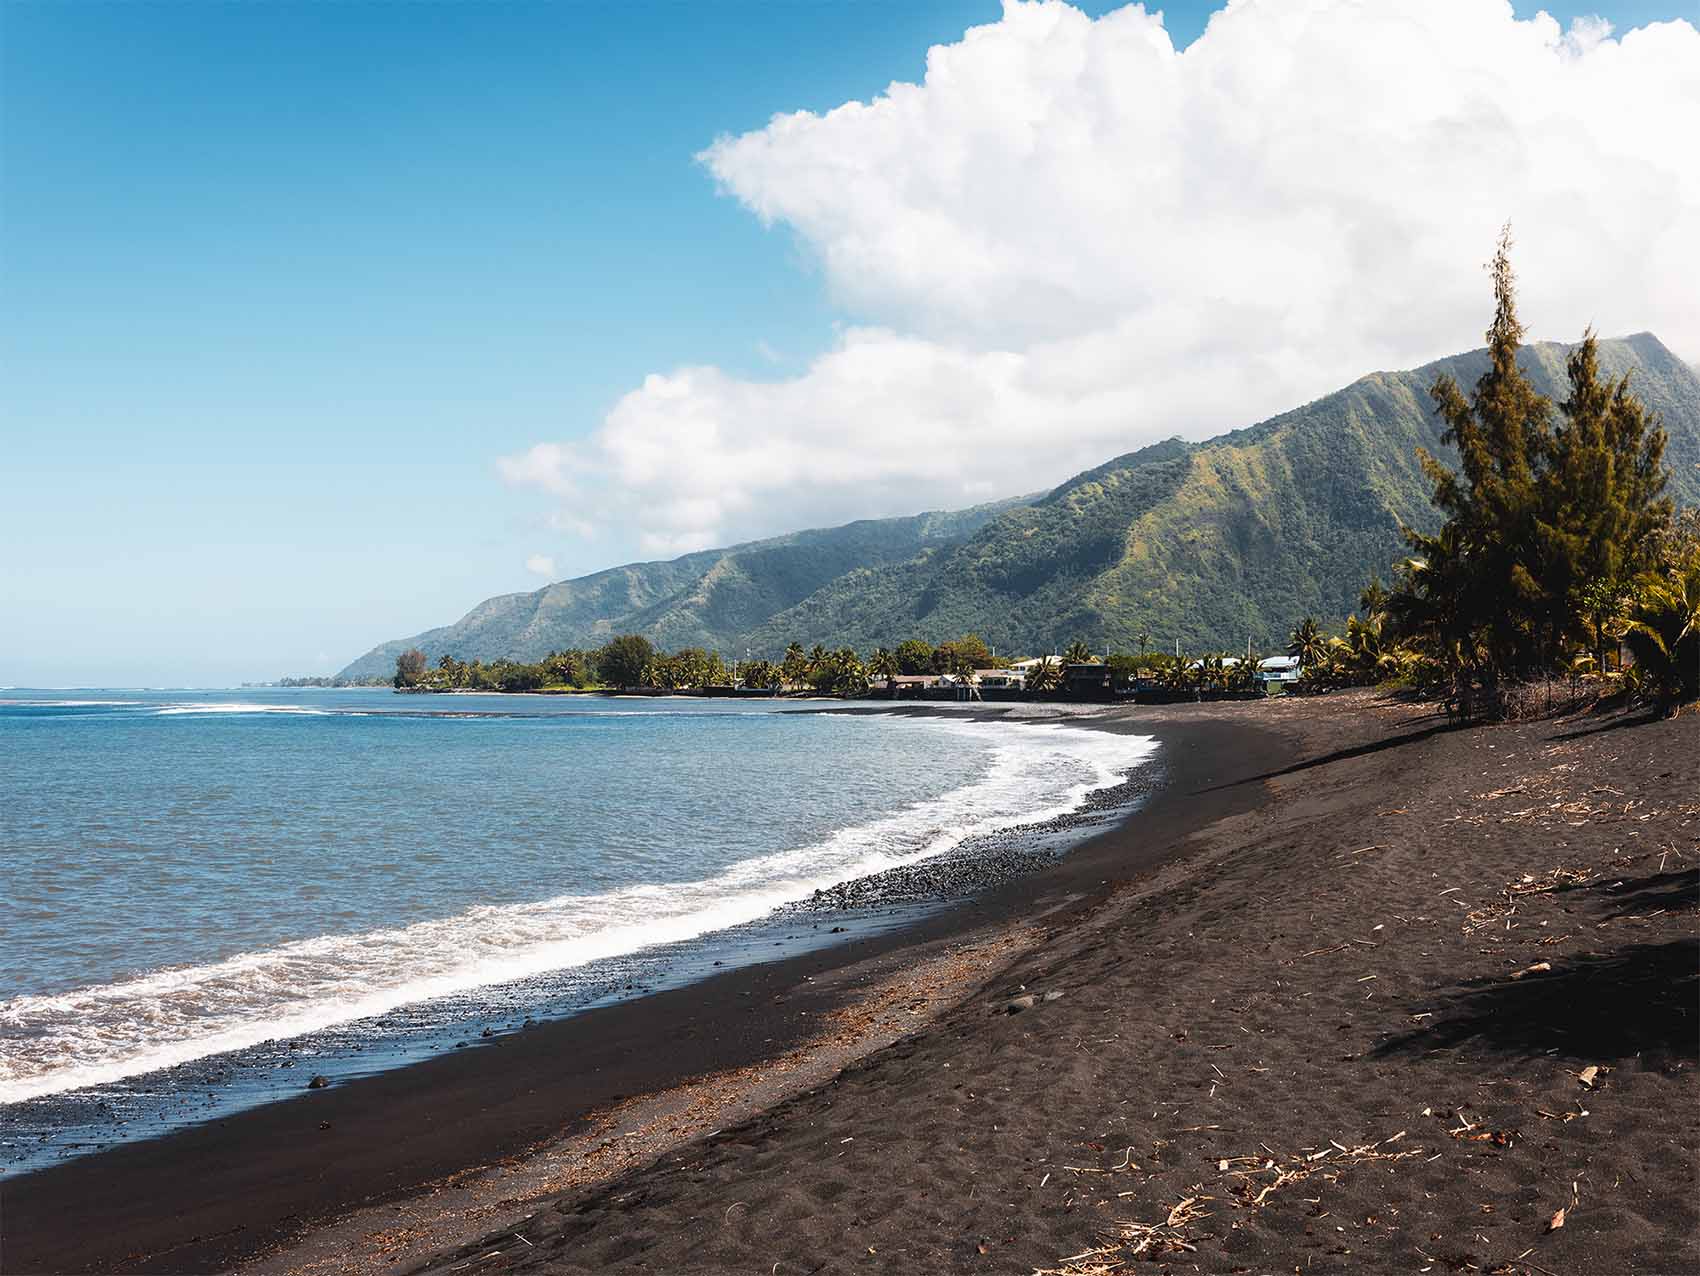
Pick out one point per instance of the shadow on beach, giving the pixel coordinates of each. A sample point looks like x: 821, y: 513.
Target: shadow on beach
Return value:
x: 1342, y: 755
x: 1617, y: 723
x: 1639, y: 999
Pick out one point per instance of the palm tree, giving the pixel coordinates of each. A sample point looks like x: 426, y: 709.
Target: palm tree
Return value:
x: 1307, y: 643
x: 1361, y: 655
x: 1664, y: 634
x: 1144, y: 641
x: 1044, y: 676
x: 1242, y: 676
x: 795, y: 670
x: 1178, y: 676
x: 1213, y: 672
x: 1077, y: 653
x: 848, y: 677
x: 883, y: 665
x: 1372, y: 599
x: 1432, y: 609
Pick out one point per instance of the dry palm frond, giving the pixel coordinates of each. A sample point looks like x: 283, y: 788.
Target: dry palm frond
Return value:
x: 1552, y: 880
x: 1136, y: 1240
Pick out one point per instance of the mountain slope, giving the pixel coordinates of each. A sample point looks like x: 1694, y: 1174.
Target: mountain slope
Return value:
x: 1216, y: 542
x: 1207, y: 543
x: 712, y: 598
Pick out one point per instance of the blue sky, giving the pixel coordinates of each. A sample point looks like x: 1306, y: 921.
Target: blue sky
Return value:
x: 282, y: 281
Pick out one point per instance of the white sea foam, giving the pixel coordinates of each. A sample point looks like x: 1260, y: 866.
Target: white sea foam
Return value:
x: 69, y: 704
x: 242, y: 707
x: 97, y: 1035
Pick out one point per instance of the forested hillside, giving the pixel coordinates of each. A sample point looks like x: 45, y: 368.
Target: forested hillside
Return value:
x: 708, y: 599
x: 1207, y: 543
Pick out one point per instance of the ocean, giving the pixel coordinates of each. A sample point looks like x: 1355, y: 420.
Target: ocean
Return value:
x: 205, y: 890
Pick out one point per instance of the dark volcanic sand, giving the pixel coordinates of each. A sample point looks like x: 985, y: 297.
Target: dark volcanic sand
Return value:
x: 208, y: 1197
x: 1297, y: 1006
x: 1319, y: 1001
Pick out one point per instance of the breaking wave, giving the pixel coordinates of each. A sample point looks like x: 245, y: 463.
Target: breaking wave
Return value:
x: 56, y: 1042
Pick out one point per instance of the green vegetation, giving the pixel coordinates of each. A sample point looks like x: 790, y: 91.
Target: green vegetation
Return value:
x: 337, y: 681
x: 1044, y: 677
x: 1208, y: 544
x: 625, y: 661
x: 1308, y: 643
x: 913, y: 657
x: 1556, y: 534
x: 631, y: 661
x: 714, y: 599
x: 1212, y: 543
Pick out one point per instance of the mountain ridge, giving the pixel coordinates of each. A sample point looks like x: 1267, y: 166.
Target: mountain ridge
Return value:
x: 1206, y: 543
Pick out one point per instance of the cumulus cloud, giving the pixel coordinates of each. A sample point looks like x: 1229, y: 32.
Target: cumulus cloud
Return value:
x: 540, y: 565
x: 1072, y: 239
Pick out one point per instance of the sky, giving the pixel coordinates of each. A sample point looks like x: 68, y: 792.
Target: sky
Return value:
x: 323, y: 321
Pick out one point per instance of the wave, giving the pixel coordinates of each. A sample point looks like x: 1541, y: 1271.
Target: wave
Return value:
x: 242, y: 707
x: 93, y: 1036
x: 68, y: 704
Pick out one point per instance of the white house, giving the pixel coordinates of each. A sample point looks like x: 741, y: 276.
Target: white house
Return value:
x: 1279, y: 669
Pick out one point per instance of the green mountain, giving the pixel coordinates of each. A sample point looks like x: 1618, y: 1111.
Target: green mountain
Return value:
x: 1208, y: 543
x: 711, y: 598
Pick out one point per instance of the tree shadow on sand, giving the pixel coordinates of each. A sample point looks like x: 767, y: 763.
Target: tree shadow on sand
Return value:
x: 1341, y: 755
x: 1614, y: 724
x: 1674, y: 891
x: 1639, y: 999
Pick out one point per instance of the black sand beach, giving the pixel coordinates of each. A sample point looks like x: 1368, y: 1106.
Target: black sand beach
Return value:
x: 1354, y: 991
x: 209, y: 1197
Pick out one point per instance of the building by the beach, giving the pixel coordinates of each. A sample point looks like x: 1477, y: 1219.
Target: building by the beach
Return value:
x: 1279, y: 669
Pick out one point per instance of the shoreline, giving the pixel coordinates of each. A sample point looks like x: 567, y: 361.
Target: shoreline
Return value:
x: 1358, y: 990
x: 247, y: 1192
x: 55, y: 1129
x: 1428, y: 1004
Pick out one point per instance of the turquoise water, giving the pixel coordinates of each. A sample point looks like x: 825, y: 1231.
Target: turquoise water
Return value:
x: 189, y: 874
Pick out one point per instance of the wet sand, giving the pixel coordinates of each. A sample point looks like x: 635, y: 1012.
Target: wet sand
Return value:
x: 214, y: 1196
x: 1354, y: 992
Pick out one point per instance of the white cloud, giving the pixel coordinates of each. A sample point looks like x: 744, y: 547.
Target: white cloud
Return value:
x: 1073, y: 240
x: 540, y: 565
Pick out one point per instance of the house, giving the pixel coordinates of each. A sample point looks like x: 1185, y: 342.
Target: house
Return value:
x: 1279, y: 669
x: 909, y: 683
x: 1011, y: 679
x: 1088, y: 682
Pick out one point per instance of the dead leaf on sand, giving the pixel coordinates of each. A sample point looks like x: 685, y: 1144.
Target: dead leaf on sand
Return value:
x: 1539, y: 968
x: 1556, y: 1221
x: 1589, y: 1075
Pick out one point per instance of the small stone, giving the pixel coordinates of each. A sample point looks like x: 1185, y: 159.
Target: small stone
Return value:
x: 1017, y: 1004
x: 318, y: 1083
x: 1054, y: 995
x: 488, y: 1032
